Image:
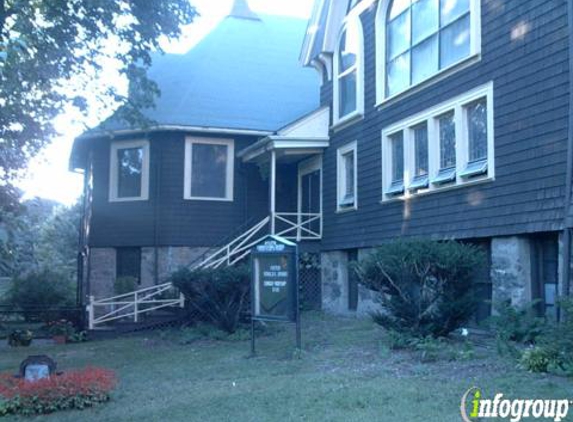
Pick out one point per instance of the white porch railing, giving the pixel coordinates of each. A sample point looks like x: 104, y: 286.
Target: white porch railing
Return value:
x: 298, y: 226
x: 294, y: 226
x: 237, y: 249
x: 131, y: 305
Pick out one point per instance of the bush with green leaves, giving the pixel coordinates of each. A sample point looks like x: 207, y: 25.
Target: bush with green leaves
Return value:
x: 218, y: 296
x: 539, y: 359
x: 36, y: 293
x: 426, y: 288
x: 516, y: 323
x: 557, y: 338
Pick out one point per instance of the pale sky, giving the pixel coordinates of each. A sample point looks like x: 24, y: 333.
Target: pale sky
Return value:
x: 48, y: 175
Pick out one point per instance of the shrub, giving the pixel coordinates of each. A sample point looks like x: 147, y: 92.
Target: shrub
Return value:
x: 538, y: 359
x: 218, y: 296
x: 61, y: 328
x: 518, y: 324
x: 426, y: 287
x: 38, y: 292
x: 72, y: 390
x: 558, y: 337
x: 20, y: 338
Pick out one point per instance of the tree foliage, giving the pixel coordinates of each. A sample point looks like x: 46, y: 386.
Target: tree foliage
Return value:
x: 46, y: 46
x: 39, y: 234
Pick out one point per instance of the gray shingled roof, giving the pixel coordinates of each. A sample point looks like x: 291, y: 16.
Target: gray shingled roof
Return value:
x: 245, y: 74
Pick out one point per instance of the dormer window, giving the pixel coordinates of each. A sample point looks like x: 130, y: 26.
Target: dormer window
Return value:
x: 348, y: 66
x: 421, y: 38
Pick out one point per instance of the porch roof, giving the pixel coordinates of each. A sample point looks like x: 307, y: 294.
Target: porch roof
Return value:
x: 285, y: 144
x: 307, y: 135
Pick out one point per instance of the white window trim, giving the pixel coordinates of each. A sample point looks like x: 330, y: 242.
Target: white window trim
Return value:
x: 113, y: 173
x: 430, y: 116
x: 229, y: 183
x: 380, y: 24
x: 359, y: 67
x: 351, y: 147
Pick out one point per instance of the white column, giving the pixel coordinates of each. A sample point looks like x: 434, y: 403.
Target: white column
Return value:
x: 273, y: 186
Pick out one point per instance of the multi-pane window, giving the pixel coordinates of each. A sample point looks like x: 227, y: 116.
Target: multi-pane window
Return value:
x: 449, y: 144
x: 421, y: 168
x: 397, y: 163
x: 476, y: 121
x: 348, y: 71
x: 209, y: 169
x: 129, y: 171
x: 424, y: 37
x: 347, y: 177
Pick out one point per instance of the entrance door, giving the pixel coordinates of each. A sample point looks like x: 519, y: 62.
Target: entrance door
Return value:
x: 309, y: 200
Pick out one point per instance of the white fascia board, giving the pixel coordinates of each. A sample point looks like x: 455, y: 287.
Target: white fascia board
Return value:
x: 160, y: 128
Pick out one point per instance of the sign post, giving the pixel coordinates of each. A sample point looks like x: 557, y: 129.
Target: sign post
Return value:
x: 274, y: 284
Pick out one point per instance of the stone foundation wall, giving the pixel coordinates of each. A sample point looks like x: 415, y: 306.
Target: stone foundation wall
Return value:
x: 102, y: 272
x: 335, y: 291
x: 511, y: 270
x: 171, y: 258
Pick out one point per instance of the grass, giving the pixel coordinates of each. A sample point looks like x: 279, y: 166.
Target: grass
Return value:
x: 345, y: 373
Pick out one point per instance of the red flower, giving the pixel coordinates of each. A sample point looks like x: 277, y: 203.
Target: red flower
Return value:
x: 73, y: 389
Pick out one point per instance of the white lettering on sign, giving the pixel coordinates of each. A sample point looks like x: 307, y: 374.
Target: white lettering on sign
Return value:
x: 274, y: 283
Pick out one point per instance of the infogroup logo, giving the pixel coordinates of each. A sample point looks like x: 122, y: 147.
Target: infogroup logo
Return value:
x: 475, y: 407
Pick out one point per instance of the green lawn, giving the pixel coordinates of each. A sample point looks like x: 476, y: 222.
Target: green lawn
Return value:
x: 346, y: 373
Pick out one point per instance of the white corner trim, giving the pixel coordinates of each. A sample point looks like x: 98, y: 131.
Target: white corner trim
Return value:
x: 113, y: 173
x: 229, y: 182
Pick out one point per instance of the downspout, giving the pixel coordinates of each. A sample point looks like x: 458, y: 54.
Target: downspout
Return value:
x: 156, y: 215
x: 569, y: 172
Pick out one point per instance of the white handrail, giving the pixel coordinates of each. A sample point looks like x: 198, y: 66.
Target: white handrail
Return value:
x: 127, y: 305
x: 236, y: 246
x: 300, y: 227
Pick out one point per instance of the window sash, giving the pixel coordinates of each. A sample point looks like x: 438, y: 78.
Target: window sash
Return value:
x: 121, y: 170
x: 403, y: 39
x: 202, y: 156
x: 347, y: 172
x: 445, y: 132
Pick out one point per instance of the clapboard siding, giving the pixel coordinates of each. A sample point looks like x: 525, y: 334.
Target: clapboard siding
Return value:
x: 531, y: 88
x: 166, y: 219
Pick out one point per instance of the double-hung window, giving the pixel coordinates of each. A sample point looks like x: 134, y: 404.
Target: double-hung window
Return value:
x: 348, y: 67
x: 420, y: 38
x: 447, y: 145
x: 346, y: 177
x: 209, y: 166
x: 129, y: 171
